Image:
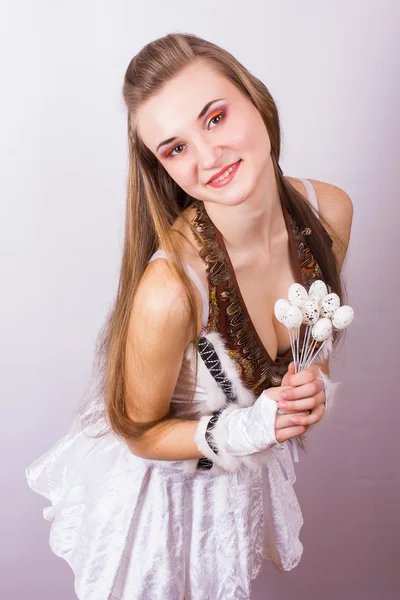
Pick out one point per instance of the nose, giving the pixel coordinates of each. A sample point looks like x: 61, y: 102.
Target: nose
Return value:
x: 209, y: 155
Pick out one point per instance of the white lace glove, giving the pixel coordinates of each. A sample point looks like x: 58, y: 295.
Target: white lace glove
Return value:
x: 237, y: 433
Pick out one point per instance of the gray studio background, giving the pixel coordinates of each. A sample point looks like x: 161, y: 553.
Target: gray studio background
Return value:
x: 333, y: 68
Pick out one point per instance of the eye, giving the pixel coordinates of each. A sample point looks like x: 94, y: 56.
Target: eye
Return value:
x: 170, y: 153
x: 214, y: 118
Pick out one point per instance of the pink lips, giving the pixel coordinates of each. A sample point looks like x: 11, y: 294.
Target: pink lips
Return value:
x: 226, y: 179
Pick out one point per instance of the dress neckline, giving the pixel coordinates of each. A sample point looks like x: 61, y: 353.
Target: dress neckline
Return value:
x: 280, y: 359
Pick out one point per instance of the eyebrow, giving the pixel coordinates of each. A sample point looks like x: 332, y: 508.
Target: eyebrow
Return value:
x: 201, y: 114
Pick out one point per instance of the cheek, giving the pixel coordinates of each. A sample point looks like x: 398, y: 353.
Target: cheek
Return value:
x: 183, y: 173
x: 249, y: 134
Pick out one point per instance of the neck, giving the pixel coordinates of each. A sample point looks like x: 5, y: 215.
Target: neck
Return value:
x: 256, y: 225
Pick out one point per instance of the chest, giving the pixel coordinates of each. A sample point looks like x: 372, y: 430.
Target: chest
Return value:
x: 259, y: 283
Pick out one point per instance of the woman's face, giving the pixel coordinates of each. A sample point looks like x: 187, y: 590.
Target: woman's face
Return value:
x: 200, y: 124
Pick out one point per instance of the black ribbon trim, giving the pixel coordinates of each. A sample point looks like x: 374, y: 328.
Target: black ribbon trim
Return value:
x: 211, y: 360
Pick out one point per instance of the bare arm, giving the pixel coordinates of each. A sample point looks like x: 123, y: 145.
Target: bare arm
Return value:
x: 158, y: 334
x: 176, y: 444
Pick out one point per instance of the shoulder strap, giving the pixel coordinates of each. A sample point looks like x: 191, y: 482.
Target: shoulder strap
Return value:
x: 312, y: 196
x: 196, y: 280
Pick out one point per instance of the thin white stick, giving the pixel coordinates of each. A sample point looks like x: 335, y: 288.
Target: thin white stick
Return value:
x: 291, y: 333
x: 306, y: 350
x: 297, y: 349
x: 308, y: 344
x: 304, y: 346
x: 294, y: 349
x: 310, y: 352
x: 316, y: 354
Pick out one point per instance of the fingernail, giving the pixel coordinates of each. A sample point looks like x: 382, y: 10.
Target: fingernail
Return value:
x: 295, y: 419
x: 284, y: 395
x: 282, y: 404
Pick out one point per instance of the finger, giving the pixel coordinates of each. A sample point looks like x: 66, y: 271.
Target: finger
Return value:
x: 290, y: 432
x: 302, y: 391
x: 283, y: 421
x: 306, y: 376
x: 309, y: 403
x: 290, y: 371
x: 273, y: 393
x: 307, y: 420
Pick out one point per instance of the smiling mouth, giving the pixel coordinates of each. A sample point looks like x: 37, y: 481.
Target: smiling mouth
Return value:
x: 225, y: 174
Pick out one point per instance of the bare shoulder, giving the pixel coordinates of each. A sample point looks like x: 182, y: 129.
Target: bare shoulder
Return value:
x: 160, y: 304
x: 336, y: 208
x: 333, y: 203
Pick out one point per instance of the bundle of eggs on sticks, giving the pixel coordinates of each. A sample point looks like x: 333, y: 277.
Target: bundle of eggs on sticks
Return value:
x: 317, y: 309
x: 321, y: 312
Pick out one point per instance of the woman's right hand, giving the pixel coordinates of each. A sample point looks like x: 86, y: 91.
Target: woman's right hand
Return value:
x: 284, y: 427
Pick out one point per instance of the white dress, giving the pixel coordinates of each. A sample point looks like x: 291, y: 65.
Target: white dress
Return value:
x: 138, y: 529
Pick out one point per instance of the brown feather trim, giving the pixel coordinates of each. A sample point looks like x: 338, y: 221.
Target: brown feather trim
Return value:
x: 227, y: 316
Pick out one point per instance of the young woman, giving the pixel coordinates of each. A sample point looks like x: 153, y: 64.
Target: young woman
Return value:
x: 179, y: 482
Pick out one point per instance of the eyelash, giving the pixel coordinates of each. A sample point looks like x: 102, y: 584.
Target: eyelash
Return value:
x: 221, y: 113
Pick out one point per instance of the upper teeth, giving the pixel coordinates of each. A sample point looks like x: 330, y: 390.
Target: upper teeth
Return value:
x: 225, y: 174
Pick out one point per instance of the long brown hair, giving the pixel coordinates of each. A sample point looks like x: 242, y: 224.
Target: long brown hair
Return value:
x: 154, y: 201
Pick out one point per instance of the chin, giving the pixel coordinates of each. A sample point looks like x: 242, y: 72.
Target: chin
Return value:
x: 229, y: 197
x: 226, y: 200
